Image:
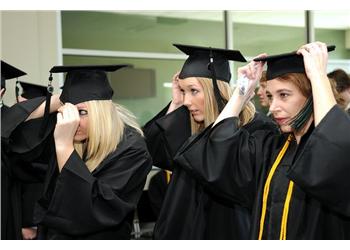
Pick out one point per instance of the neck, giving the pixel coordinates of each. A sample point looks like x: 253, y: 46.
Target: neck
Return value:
x: 301, y: 132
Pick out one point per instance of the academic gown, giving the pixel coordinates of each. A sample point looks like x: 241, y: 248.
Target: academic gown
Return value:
x: 77, y: 204
x: 319, y: 207
x: 188, y: 210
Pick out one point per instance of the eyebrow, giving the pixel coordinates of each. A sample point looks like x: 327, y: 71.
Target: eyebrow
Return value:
x: 281, y: 90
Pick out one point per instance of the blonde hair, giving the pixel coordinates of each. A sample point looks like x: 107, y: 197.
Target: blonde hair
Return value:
x: 211, y: 111
x: 104, y: 137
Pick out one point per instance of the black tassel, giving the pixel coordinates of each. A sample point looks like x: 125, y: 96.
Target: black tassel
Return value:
x: 17, y: 90
x: 221, y: 102
x: 299, y: 121
x: 47, y: 107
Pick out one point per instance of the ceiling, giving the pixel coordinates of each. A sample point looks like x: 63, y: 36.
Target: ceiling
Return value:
x: 335, y: 19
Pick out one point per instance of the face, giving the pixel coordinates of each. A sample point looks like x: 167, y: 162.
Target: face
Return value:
x: 285, y: 101
x: 346, y: 96
x: 82, y: 131
x: 262, y: 95
x: 21, y: 99
x: 193, y: 95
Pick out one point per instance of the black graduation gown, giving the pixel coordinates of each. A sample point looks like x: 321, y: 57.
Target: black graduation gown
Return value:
x: 23, y: 178
x: 188, y: 210
x: 78, y: 204
x: 319, y: 168
x: 156, y: 192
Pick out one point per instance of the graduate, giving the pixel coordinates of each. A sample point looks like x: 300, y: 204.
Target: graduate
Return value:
x: 28, y: 175
x: 98, y: 157
x: 297, y: 183
x: 10, y: 212
x: 200, y: 92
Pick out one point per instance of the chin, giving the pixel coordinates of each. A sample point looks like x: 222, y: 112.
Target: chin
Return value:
x: 198, y: 119
x: 286, y: 129
x: 79, y: 138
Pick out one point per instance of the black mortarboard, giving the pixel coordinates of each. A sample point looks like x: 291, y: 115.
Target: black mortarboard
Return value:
x: 9, y: 72
x: 197, y: 63
x: 278, y: 65
x: 30, y: 90
x: 86, y: 83
x: 210, y: 63
x: 82, y: 83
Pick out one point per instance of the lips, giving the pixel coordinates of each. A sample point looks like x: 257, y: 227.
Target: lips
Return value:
x: 281, y: 121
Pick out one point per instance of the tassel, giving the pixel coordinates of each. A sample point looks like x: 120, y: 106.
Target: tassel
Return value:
x: 47, y: 107
x: 221, y: 102
x: 299, y: 121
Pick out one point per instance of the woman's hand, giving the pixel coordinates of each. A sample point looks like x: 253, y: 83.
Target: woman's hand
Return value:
x: 29, y: 233
x: 66, y: 126
x: 251, y: 73
x: 315, y: 59
x: 177, y: 96
x: 315, y: 62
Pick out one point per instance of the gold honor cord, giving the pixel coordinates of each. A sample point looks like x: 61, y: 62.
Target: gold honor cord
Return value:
x: 168, y: 175
x: 283, y: 233
x: 268, y: 182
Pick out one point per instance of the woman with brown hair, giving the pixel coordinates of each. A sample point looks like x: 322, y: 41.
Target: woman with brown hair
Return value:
x: 295, y: 183
x: 199, y: 92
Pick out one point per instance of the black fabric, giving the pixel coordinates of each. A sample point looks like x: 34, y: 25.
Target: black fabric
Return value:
x: 30, y: 91
x: 320, y: 202
x: 278, y: 65
x: 15, y: 171
x: 8, y: 72
x: 189, y: 209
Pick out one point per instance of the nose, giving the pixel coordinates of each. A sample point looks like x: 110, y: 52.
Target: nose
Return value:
x: 187, y: 100
x: 274, y: 106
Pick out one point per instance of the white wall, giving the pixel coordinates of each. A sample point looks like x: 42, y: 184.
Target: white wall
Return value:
x: 30, y: 41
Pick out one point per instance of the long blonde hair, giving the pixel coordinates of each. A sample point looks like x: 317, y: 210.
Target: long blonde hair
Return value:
x: 107, y: 121
x: 211, y: 111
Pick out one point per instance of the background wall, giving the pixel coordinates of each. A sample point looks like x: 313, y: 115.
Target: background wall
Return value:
x: 31, y: 42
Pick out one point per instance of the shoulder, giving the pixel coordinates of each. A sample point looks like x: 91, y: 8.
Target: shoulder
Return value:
x: 261, y: 122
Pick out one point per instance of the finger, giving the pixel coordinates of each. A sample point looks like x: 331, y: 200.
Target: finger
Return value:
x: 59, y: 117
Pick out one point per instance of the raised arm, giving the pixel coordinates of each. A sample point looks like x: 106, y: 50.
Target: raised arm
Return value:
x: 39, y: 111
x: 315, y: 61
x: 253, y: 72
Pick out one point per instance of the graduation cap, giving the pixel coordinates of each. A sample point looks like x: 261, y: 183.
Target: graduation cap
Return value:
x: 82, y: 83
x: 278, y: 65
x: 86, y: 83
x: 30, y: 90
x: 9, y: 72
x: 210, y: 63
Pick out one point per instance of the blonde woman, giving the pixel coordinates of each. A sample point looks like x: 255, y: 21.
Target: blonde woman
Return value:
x: 199, y: 92
x: 98, y: 164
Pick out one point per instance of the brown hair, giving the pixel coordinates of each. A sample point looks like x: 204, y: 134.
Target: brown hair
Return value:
x: 341, y: 79
x: 304, y: 85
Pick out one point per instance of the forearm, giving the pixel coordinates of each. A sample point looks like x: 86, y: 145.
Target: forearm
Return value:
x: 323, y: 97
x: 232, y: 108
x: 39, y: 112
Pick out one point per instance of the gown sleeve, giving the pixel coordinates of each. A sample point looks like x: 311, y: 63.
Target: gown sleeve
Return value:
x: 165, y: 134
x: 322, y: 168
x: 17, y: 114
x: 227, y: 160
x: 85, y: 202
